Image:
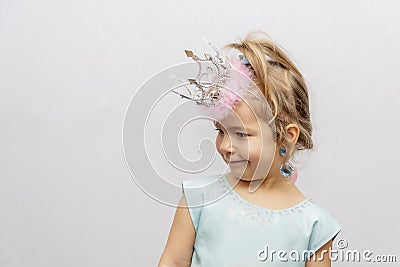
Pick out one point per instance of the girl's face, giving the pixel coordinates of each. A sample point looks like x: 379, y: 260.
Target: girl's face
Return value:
x: 246, y: 143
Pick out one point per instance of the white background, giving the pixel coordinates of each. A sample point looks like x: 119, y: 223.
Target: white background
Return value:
x: 68, y: 70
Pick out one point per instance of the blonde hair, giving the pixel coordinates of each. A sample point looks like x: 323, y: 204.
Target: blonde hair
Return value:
x: 283, y: 87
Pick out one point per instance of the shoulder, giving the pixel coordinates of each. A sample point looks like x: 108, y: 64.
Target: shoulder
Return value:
x: 322, y: 226
x: 318, y: 212
x: 202, y: 190
x: 197, y: 193
x: 315, y: 214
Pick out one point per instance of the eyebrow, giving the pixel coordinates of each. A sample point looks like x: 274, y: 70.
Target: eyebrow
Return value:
x: 234, y: 127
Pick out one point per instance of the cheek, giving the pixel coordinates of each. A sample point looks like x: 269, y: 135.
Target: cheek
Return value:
x: 269, y: 151
x: 262, y: 150
x: 217, y: 145
x: 218, y: 142
x: 255, y: 148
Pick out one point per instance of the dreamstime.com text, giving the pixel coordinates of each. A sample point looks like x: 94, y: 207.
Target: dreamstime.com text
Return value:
x: 341, y: 254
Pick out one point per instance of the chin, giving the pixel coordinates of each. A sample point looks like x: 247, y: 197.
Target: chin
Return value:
x: 240, y: 174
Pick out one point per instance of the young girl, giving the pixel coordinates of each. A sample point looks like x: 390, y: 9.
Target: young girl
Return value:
x: 254, y: 215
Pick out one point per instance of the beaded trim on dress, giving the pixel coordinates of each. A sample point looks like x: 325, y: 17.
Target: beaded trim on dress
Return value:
x: 254, y: 212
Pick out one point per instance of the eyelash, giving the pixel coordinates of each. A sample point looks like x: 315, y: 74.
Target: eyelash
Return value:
x: 241, y: 135
x: 219, y: 131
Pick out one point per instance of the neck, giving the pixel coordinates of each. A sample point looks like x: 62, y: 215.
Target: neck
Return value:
x: 269, y: 183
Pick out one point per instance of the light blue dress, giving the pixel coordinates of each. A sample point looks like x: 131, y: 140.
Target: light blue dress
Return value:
x: 231, y: 232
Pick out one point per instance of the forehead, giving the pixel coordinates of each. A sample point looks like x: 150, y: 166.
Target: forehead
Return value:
x: 241, y: 117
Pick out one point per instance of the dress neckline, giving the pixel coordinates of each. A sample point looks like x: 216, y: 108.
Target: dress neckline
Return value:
x: 225, y: 179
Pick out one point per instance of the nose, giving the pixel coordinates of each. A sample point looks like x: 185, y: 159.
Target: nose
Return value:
x: 226, y: 146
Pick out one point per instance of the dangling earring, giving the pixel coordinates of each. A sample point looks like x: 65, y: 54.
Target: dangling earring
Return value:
x: 287, y: 170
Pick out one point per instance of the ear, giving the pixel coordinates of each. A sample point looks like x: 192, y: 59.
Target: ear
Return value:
x: 293, y: 131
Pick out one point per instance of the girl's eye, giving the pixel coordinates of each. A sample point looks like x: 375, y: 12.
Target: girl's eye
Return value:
x: 220, y: 132
x: 242, y: 135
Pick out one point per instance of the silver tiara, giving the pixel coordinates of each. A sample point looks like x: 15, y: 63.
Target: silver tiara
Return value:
x: 207, y: 92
